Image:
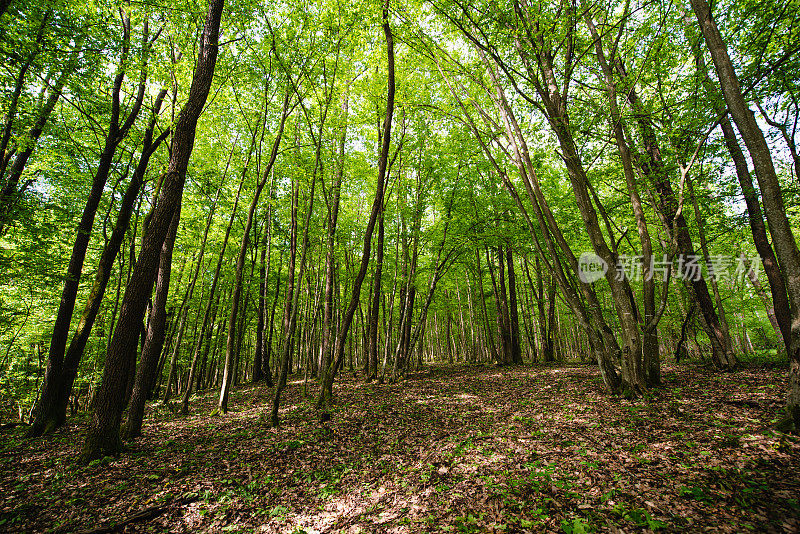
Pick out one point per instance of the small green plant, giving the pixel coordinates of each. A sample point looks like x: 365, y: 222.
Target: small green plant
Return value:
x: 639, y: 517
x: 468, y: 523
x: 278, y: 512
x: 576, y: 526
x: 105, y: 460
x: 695, y: 492
x: 289, y: 445
x: 607, y: 496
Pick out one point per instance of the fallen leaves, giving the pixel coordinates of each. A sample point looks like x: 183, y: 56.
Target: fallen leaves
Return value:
x: 458, y: 449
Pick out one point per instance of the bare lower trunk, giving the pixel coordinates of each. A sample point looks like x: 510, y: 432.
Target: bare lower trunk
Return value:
x: 154, y: 339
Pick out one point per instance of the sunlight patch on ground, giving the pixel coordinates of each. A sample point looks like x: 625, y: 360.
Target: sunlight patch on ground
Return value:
x: 349, y: 512
x: 428, y: 399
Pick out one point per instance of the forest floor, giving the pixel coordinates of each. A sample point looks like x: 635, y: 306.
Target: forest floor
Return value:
x: 457, y: 449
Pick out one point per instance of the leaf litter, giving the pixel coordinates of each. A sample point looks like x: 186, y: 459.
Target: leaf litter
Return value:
x: 451, y: 449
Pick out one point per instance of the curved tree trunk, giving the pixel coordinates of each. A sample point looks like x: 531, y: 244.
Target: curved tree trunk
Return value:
x: 779, y: 310
x: 649, y: 320
x: 53, y: 407
x: 56, y: 377
x: 328, y: 374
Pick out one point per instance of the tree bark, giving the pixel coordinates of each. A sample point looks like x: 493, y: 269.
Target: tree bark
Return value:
x: 374, y: 309
x: 779, y: 308
x: 588, y: 312
x: 332, y: 202
x: 516, y: 350
x: 154, y: 339
x: 103, y: 434
x: 503, y: 355
x: 779, y: 227
x: 57, y: 374
x: 650, y: 345
x: 288, y: 327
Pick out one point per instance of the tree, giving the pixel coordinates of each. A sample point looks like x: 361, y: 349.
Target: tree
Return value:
x: 56, y: 377
x: 103, y: 434
x: 328, y: 369
x: 771, y: 193
x: 57, y: 386
x: 237, y: 288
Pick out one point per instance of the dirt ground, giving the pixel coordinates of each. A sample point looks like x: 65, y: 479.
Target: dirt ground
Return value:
x: 455, y: 449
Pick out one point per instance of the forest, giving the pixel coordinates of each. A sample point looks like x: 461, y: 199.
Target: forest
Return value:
x: 434, y: 266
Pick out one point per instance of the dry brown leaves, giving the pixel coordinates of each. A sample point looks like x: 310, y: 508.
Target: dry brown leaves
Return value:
x: 454, y: 449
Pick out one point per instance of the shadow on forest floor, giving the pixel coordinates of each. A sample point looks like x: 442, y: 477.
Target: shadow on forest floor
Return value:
x: 462, y: 449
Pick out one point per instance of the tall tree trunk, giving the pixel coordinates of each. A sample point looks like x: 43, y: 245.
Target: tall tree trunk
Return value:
x: 410, y: 263
x: 116, y: 133
x: 258, y: 372
x: 328, y: 374
x: 154, y: 339
x: 286, y: 345
x: 516, y: 350
x: 545, y: 343
x: 503, y: 355
x: 653, y: 167
x: 439, y: 268
x: 374, y: 309
x: 587, y: 309
x: 627, y: 313
x: 57, y: 387
x: 103, y: 434
x: 222, y: 405
x: 486, y: 327
x: 771, y: 193
x: 293, y: 293
x: 723, y: 320
x: 780, y: 302
x: 332, y: 202
x: 183, y: 314
x: 650, y: 345
x: 505, y: 320
x: 214, y: 282
x: 549, y: 350
x: 200, y: 372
